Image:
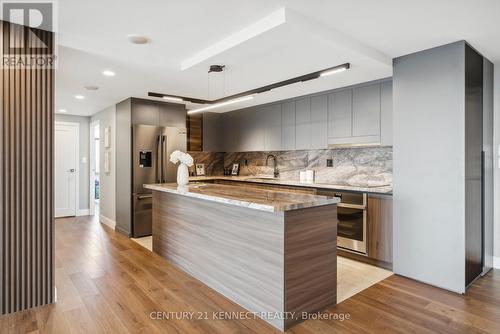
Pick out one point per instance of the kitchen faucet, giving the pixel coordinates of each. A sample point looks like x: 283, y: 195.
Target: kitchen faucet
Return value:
x: 275, y: 165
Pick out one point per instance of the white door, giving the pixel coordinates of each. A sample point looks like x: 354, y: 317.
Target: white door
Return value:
x: 66, y: 160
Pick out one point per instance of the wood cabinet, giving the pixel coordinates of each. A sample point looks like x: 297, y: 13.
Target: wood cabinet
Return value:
x: 378, y: 221
x: 379, y: 226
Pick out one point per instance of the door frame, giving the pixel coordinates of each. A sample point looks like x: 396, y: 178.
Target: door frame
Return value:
x: 91, y: 165
x: 76, y: 127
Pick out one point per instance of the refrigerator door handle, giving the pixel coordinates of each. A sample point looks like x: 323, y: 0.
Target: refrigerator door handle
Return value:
x: 164, y: 159
x: 158, y: 160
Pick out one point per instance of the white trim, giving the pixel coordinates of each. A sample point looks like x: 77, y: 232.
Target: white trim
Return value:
x: 106, y: 221
x: 496, y: 262
x: 91, y: 166
x: 77, y: 157
x: 83, y: 212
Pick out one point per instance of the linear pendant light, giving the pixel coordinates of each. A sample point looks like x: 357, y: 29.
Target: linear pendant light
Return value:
x: 172, y: 98
x: 221, y: 104
x: 247, y: 95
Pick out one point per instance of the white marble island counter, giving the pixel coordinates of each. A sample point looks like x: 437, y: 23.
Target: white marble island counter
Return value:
x: 272, y: 252
x: 259, y: 199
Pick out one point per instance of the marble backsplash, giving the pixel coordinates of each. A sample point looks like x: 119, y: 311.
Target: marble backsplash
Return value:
x: 356, y: 166
x: 214, y: 162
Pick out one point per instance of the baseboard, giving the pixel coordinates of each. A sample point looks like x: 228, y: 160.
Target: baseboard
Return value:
x: 83, y: 212
x: 106, y: 221
x: 122, y: 231
x: 496, y: 262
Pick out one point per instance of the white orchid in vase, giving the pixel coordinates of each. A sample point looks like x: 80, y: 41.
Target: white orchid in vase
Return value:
x: 184, y: 158
x: 182, y: 171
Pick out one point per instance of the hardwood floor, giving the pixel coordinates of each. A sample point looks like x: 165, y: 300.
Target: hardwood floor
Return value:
x: 107, y: 283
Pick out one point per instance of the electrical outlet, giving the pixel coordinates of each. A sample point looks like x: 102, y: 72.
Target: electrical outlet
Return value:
x: 329, y: 162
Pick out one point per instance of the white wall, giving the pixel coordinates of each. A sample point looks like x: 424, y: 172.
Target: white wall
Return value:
x: 84, y: 170
x: 107, y: 118
x: 497, y: 165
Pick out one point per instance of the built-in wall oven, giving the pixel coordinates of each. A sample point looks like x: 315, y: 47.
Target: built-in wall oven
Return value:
x: 351, y: 215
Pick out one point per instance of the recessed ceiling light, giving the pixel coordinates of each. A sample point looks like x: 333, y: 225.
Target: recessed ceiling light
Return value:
x: 108, y: 73
x: 137, y: 39
x: 79, y: 97
x: 62, y: 110
x: 91, y: 87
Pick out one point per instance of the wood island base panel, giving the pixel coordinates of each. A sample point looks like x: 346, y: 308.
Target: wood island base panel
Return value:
x: 278, y: 265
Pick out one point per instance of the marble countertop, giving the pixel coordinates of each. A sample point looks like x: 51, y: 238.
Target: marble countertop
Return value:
x: 253, y: 198
x: 382, y: 189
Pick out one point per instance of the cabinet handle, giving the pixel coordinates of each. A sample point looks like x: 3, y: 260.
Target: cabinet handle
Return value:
x: 144, y: 196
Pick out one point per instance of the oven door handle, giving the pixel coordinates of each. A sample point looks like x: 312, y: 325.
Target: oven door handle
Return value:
x: 351, y: 206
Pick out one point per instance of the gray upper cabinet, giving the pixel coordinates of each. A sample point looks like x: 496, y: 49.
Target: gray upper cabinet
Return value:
x: 340, y: 114
x: 303, y: 124
x: 252, y: 130
x: 272, y: 125
x: 319, y: 122
x: 147, y: 113
x: 212, y: 128
x: 386, y: 113
x: 355, y: 115
x: 231, y: 123
x: 366, y: 111
x: 288, y: 126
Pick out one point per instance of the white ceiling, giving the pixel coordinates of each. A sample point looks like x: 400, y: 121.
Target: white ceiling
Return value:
x: 316, y: 35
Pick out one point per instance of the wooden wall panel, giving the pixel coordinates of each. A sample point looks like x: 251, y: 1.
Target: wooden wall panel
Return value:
x: 194, y: 132
x: 26, y: 182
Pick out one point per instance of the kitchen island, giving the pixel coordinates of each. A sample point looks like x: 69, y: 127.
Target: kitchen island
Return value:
x: 272, y: 252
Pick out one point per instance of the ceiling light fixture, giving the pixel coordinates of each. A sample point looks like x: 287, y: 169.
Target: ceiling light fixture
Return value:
x: 108, y: 73
x: 334, y: 70
x: 79, y: 97
x: 62, y: 110
x: 172, y: 98
x: 137, y: 39
x: 216, y: 103
x: 91, y: 87
x: 221, y: 104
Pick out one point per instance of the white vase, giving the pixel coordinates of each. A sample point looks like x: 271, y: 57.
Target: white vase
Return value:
x: 182, y: 175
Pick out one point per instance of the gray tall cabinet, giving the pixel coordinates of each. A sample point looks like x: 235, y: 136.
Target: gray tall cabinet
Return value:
x: 357, y: 115
x: 443, y: 165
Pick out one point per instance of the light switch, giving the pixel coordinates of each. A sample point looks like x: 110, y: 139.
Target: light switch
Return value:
x: 84, y: 160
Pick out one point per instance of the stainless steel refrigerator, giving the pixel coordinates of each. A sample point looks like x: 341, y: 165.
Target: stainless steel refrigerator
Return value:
x: 151, y: 149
